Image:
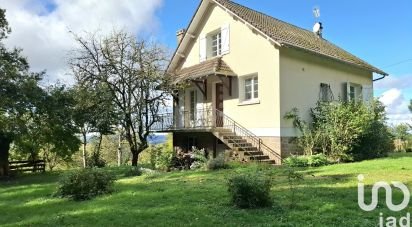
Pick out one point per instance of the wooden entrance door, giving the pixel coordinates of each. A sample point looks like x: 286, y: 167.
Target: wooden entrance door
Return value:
x: 219, y: 104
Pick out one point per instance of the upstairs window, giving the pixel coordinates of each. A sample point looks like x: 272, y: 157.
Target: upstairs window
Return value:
x: 216, y: 41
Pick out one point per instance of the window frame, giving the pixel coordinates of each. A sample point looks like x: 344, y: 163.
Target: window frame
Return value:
x: 354, y: 92
x: 252, y: 91
x: 215, y: 37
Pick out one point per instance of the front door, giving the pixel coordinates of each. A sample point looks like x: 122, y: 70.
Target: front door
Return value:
x: 219, y: 105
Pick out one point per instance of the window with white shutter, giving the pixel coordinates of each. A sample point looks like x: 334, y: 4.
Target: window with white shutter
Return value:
x: 225, y: 36
x: 215, y: 43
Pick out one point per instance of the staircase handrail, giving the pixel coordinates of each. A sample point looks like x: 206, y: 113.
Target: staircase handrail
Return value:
x: 240, y: 130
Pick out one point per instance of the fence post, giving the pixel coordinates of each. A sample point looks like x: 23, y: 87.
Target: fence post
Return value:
x: 260, y: 142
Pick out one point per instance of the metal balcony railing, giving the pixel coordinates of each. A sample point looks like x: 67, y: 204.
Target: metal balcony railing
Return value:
x: 199, y: 119
x: 209, y: 119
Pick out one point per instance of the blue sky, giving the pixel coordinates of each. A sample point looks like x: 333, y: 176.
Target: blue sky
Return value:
x: 377, y: 31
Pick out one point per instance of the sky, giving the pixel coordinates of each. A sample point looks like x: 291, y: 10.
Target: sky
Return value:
x: 377, y: 31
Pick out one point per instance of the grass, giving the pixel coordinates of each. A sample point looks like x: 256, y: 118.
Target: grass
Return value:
x: 326, y: 197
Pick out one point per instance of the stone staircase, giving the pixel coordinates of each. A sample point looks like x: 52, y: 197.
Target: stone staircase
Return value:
x: 243, y: 149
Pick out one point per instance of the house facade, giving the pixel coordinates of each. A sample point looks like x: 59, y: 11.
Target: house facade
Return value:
x: 241, y: 71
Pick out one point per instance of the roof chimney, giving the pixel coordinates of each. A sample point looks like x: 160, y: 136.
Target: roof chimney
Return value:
x: 180, y: 34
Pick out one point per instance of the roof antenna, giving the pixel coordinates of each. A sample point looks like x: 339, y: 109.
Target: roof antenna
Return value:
x: 317, y: 28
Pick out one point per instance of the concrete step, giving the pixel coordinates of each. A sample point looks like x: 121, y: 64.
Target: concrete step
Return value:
x: 259, y: 157
x: 252, y: 153
x: 241, y: 144
x: 245, y: 148
x: 231, y: 137
x: 236, y: 141
x: 269, y: 161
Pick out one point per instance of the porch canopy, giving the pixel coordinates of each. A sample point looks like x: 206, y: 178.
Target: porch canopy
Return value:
x: 214, y: 66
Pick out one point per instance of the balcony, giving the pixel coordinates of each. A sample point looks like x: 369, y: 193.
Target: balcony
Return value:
x: 231, y: 133
x: 200, y: 120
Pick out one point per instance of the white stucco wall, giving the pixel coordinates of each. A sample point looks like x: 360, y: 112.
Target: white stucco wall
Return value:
x: 249, y: 53
x: 300, y: 76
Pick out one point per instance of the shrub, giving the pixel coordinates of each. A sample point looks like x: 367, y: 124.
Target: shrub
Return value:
x: 250, y: 190
x: 217, y: 163
x: 85, y: 184
x: 159, y: 156
x: 297, y: 161
x: 408, y: 150
x: 344, y: 131
x: 318, y: 160
x: 133, y: 171
x: 198, y: 159
x: 95, y: 160
x: 307, y: 160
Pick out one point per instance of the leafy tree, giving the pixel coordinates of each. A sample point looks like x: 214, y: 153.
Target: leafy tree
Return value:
x: 33, y: 119
x: 19, y: 91
x: 93, y: 113
x: 50, y: 131
x: 133, y: 71
x: 401, y: 131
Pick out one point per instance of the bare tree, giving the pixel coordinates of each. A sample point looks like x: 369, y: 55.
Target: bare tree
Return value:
x: 133, y: 71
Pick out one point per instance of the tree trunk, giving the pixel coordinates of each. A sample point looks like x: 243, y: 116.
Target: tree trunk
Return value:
x: 100, y: 143
x: 135, y: 156
x: 84, y: 149
x: 119, y: 151
x: 4, y: 155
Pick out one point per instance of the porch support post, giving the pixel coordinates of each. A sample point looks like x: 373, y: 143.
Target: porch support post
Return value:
x: 202, y: 85
x: 227, y: 84
x: 230, y: 86
x: 205, y: 89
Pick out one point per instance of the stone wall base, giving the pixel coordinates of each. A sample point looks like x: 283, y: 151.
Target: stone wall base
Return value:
x: 285, y: 146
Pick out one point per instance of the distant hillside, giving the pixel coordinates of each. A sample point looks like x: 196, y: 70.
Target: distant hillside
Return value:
x: 157, y: 139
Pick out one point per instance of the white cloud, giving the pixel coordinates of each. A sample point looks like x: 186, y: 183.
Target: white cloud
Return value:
x: 392, y: 81
x: 396, y: 106
x: 41, y: 27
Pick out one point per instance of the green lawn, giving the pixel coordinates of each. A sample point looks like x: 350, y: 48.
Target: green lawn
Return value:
x: 326, y: 197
